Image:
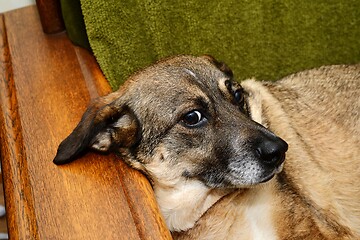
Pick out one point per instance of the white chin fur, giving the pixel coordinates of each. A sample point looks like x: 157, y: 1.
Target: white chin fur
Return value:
x: 182, y: 205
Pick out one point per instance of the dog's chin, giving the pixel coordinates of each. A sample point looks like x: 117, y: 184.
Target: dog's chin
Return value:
x: 231, y: 180
x: 264, y: 178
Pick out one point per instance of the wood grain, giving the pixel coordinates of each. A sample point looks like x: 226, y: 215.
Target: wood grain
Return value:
x: 46, y: 84
x: 13, y: 152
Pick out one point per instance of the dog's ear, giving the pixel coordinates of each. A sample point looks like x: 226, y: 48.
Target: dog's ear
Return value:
x: 220, y: 65
x: 103, y: 127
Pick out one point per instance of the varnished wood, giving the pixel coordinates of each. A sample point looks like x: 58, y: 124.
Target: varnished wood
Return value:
x: 46, y: 84
x: 3, y: 224
x: 50, y: 15
x: 12, y: 152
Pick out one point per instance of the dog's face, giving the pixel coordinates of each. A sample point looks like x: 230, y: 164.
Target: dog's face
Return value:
x: 181, y: 118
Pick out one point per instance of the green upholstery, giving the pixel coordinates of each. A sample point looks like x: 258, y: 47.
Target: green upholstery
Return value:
x: 74, y: 22
x: 265, y: 39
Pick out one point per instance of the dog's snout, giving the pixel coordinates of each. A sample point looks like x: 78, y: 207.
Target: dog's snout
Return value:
x: 272, y: 151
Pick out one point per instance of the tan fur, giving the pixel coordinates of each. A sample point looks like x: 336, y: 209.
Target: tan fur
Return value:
x: 317, y: 112
x: 317, y: 194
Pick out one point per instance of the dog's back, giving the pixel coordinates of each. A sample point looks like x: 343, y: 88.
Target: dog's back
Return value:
x: 330, y: 93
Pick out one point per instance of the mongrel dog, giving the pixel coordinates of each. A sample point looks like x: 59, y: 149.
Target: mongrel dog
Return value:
x: 216, y: 170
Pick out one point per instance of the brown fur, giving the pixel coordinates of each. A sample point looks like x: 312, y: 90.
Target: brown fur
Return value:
x: 209, y: 177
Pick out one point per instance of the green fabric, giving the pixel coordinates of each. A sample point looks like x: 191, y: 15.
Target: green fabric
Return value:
x: 74, y: 22
x: 266, y: 39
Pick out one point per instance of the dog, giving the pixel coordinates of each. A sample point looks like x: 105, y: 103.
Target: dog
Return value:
x: 214, y: 150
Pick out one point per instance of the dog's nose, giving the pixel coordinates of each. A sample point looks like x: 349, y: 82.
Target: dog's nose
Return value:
x: 272, y: 151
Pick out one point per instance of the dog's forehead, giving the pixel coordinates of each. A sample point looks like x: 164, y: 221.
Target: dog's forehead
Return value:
x: 179, y: 75
x: 175, y: 85
x: 162, y: 89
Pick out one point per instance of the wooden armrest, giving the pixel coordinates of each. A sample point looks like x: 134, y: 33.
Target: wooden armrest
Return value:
x: 46, y: 84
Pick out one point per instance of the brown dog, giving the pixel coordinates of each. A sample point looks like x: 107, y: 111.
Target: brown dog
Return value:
x: 215, y: 170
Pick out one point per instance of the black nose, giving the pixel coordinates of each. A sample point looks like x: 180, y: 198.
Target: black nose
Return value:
x: 271, y: 151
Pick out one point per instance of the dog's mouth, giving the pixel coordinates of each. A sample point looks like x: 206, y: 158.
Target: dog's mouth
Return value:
x: 267, y: 178
x: 235, y: 180
x: 237, y: 173
x: 272, y: 174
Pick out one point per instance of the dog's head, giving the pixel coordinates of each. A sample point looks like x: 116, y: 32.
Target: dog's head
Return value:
x: 181, y: 118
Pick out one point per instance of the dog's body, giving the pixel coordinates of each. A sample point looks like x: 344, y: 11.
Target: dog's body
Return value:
x: 188, y: 127
x: 317, y: 195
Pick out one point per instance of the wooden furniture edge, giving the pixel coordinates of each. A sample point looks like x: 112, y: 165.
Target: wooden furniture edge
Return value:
x: 11, y: 145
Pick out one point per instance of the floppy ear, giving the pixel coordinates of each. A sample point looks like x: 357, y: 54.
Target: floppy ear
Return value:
x: 103, y: 127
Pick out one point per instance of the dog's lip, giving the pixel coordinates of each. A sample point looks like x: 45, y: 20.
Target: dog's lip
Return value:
x: 279, y: 168
x: 267, y: 178
x: 271, y: 175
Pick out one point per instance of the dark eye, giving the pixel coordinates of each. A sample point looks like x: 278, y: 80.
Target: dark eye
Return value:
x: 193, y: 118
x: 239, y: 96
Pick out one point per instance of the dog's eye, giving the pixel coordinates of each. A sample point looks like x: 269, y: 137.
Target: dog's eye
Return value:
x: 239, y: 96
x: 193, y: 118
x: 235, y: 91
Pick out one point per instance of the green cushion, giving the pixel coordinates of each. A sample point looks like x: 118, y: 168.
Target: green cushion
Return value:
x: 74, y: 22
x: 265, y: 39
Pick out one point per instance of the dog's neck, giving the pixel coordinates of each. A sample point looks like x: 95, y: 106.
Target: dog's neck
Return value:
x: 184, y: 203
